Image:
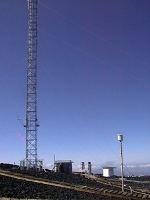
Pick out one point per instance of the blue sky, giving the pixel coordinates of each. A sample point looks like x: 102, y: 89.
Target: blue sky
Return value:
x: 93, y: 81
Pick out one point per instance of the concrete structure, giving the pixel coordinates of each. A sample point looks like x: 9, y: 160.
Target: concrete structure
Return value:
x: 108, y: 171
x: 63, y: 166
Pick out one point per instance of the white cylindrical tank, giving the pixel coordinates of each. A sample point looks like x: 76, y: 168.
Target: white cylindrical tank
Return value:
x: 120, y: 137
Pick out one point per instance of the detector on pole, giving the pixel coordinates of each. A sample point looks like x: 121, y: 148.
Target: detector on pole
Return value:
x: 120, y: 137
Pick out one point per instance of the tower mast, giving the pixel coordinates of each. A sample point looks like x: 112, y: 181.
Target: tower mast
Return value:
x: 31, y: 101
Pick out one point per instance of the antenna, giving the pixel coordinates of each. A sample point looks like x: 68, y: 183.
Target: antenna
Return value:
x: 21, y: 121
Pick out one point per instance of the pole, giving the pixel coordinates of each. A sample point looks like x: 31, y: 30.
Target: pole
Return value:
x: 120, y: 139
x: 121, y: 166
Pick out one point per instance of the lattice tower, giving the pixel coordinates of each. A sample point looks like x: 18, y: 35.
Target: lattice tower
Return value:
x: 31, y: 102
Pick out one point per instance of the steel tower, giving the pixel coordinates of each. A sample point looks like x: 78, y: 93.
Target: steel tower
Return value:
x: 31, y: 101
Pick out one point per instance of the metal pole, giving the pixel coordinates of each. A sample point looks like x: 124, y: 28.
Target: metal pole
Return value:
x: 121, y: 165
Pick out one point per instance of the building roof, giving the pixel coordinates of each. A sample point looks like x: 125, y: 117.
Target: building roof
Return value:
x: 63, y: 161
x: 108, y: 167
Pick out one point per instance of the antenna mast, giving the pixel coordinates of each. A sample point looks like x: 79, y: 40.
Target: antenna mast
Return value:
x: 31, y: 102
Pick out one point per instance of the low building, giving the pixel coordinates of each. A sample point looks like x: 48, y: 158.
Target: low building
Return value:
x: 63, y: 166
x: 108, y: 171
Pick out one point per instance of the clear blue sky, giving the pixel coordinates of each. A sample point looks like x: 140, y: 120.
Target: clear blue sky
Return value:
x: 93, y: 81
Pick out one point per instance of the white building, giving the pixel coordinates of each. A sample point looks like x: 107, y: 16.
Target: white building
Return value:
x: 108, y: 171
